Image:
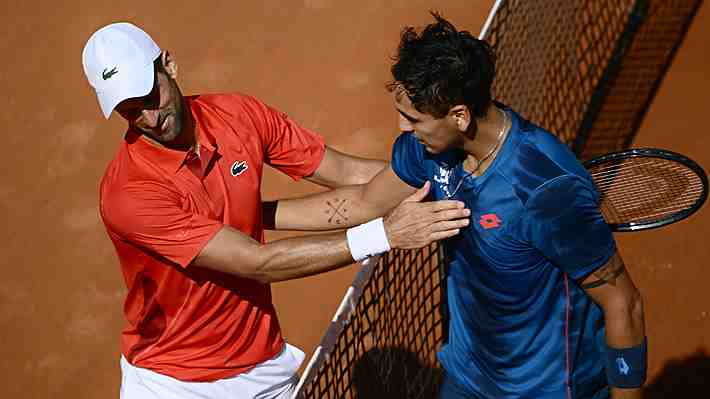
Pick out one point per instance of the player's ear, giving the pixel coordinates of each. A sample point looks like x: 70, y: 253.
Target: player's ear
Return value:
x: 169, y: 64
x: 461, y: 117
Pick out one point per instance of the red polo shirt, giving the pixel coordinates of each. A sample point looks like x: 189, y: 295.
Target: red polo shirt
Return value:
x: 161, y: 207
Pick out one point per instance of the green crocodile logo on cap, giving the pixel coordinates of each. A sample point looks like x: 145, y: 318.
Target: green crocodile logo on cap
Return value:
x: 107, y: 74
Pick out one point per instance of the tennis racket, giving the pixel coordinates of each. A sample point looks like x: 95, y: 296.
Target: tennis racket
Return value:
x: 646, y: 188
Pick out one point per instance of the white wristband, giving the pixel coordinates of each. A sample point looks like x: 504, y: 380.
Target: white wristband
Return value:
x: 367, y: 239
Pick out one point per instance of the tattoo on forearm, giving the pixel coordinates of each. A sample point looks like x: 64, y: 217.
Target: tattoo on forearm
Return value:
x: 608, y: 273
x: 337, y: 211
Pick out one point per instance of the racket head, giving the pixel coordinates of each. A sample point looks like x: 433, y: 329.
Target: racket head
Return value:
x: 647, y: 188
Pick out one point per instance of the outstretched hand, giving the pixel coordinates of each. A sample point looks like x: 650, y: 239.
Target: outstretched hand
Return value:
x: 416, y: 224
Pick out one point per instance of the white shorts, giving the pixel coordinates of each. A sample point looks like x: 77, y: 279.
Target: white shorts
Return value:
x: 273, y: 379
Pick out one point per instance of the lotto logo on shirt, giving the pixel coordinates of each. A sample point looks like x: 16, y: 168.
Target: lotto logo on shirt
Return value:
x: 490, y: 221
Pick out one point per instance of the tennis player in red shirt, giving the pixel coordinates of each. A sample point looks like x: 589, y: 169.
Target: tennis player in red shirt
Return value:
x: 181, y: 203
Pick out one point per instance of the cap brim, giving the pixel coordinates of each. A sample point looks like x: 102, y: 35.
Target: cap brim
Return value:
x: 127, y: 84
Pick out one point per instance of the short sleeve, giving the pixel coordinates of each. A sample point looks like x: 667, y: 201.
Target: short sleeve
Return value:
x: 563, y: 221
x: 288, y: 147
x: 150, y: 216
x: 408, y: 160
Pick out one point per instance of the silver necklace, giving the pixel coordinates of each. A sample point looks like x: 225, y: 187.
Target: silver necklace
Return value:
x: 479, y: 163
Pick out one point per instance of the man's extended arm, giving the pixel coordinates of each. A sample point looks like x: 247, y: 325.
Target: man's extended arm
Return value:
x: 411, y: 225
x: 343, y: 207
x: 612, y: 289
x: 338, y: 169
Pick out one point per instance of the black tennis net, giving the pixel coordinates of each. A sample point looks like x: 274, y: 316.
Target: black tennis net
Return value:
x: 586, y: 70
x: 383, y: 340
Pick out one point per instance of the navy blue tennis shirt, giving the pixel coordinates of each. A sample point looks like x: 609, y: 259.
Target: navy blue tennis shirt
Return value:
x: 520, y: 325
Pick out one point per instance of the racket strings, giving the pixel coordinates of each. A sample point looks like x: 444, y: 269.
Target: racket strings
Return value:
x: 659, y: 210
x: 682, y: 200
x: 641, y: 190
x: 607, y: 174
x: 642, y: 195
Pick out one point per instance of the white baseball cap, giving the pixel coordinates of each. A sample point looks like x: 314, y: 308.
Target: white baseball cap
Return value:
x: 118, y: 62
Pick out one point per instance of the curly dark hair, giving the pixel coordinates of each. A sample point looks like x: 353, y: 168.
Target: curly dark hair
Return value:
x: 441, y: 67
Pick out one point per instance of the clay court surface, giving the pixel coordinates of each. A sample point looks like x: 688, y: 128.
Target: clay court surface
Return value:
x: 325, y: 63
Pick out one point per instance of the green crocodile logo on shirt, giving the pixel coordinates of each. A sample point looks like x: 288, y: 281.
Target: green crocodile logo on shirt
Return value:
x: 107, y: 74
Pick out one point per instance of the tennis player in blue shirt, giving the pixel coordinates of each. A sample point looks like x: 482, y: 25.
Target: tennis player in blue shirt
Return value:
x: 541, y: 305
